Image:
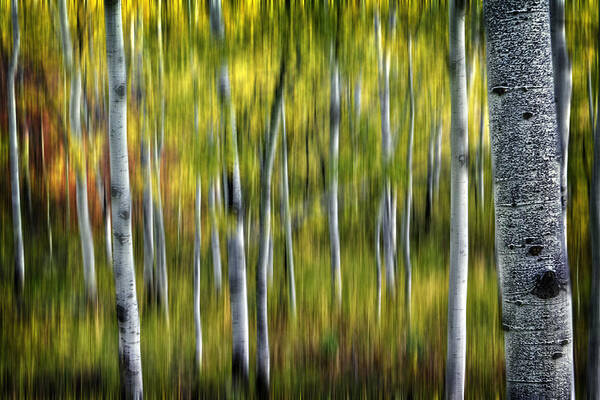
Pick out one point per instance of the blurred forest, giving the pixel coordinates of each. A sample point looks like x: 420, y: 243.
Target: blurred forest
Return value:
x: 53, y: 342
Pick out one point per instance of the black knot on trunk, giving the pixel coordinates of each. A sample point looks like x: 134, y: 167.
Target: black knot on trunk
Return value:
x: 121, y: 313
x: 547, y: 285
x: 120, y: 90
x: 527, y: 115
x: 499, y: 90
x: 535, y: 250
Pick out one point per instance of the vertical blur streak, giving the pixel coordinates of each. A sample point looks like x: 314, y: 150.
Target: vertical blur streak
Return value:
x: 459, y: 206
x: 14, y: 155
x: 409, y: 189
x: 593, y: 379
x: 334, y: 235
x: 130, y: 360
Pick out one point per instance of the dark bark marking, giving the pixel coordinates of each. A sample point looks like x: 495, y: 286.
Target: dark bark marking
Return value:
x: 535, y: 250
x: 499, y: 90
x: 121, y: 313
x: 547, y: 285
x: 527, y: 115
x: 557, y: 355
x: 120, y: 90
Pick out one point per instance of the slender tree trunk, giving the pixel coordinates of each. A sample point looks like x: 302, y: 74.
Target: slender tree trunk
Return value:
x: 378, y: 257
x: 563, y: 84
x: 160, y: 242
x: 532, y: 266
x: 593, y: 367
x: 429, y: 196
x: 130, y: 360
x: 480, y: 154
x: 459, y: 206
x: 270, y: 260
x: 408, y: 201
x: 262, y: 327
x: 147, y: 201
x: 388, y: 226
x: 287, y: 220
x: 214, y: 237
x: 14, y: 155
x: 197, y: 251
x: 83, y: 219
x: 334, y: 235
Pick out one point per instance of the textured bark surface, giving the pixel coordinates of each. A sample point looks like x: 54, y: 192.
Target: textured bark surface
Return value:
x: 130, y: 360
x: 459, y: 206
x: 532, y: 266
x: 334, y: 235
x: 14, y: 154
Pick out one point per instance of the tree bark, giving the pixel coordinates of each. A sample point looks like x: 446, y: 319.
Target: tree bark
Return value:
x: 235, y: 234
x: 14, y: 155
x: 334, y: 235
x: 532, y: 265
x: 287, y: 220
x: 459, y: 206
x: 130, y: 361
x: 262, y: 327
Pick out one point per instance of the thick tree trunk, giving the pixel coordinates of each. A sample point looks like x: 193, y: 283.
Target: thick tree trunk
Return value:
x: 532, y: 266
x: 287, y: 220
x: 130, y: 360
x: 459, y: 206
x: 334, y: 235
x: 235, y: 234
x: 14, y: 155
x: 197, y: 251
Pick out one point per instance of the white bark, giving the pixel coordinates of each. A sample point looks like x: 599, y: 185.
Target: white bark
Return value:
x: 214, y: 237
x: 287, y: 220
x: 197, y: 253
x: 438, y: 159
x: 14, y: 155
x: 127, y: 307
x: 235, y: 239
x: 83, y: 218
x: 532, y: 266
x: 265, y: 238
x: 334, y: 235
x: 459, y: 206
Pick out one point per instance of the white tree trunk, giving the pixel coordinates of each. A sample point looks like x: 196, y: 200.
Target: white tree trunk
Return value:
x: 197, y: 254
x: 235, y: 239
x: 83, y: 219
x: 160, y: 238
x: 147, y: 201
x: 532, y: 266
x: 287, y: 220
x: 334, y: 235
x: 438, y: 160
x: 459, y: 206
x: 130, y: 360
x: 214, y: 237
x: 265, y: 238
x: 14, y: 155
